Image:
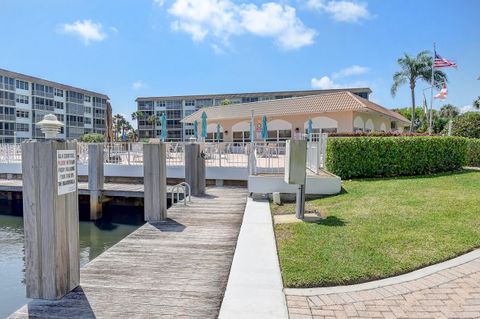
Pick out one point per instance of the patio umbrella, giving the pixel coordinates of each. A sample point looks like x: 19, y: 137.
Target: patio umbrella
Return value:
x: 252, y: 132
x: 310, y: 129
x: 204, y: 125
x: 195, y: 129
x: 264, y: 128
x: 218, y: 132
x: 163, y: 121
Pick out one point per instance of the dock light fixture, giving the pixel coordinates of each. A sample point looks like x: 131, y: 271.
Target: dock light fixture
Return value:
x: 50, y: 126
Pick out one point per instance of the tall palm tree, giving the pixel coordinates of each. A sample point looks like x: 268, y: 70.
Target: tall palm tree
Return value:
x: 449, y: 111
x: 412, y: 70
x: 137, y: 116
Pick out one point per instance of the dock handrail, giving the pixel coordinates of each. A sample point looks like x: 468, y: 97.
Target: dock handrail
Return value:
x: 186, y: 193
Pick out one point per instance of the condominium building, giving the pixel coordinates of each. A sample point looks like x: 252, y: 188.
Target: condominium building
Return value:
x: 25, y: 100
x: 178, y: 107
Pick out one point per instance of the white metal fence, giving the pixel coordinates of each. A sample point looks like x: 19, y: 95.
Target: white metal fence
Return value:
x: 259, y: 157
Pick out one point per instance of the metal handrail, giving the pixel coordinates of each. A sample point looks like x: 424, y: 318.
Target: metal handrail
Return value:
x: 176, y: 190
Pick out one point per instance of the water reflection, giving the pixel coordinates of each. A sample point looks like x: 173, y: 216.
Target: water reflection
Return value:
x: 95, y: 238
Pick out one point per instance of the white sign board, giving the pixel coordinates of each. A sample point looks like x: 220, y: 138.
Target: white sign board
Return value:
x: 66, y: 171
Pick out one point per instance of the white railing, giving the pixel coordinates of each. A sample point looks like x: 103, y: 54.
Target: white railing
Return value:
x: 316, y: 152
x: 259, y: 157
x: 226, y: 154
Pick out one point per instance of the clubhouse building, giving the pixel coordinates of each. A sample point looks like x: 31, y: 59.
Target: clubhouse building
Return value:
x: 330, y: 112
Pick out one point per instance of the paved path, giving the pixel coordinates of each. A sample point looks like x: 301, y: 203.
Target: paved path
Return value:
x: 452, y: 292
x: 255, y: 288
x: 173, y: 269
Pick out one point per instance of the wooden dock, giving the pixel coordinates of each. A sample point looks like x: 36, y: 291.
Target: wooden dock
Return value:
x: 110, y: 189
x: 173, y: 269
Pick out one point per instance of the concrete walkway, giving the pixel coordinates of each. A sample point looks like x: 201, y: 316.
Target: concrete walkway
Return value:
x: 254, y: 288
x: 446, y: 290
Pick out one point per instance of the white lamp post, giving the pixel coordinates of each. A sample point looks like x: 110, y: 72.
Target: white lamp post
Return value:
x: 50, y: 126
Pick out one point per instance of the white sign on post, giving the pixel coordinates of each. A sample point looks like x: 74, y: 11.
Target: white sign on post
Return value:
x: 66, y: 171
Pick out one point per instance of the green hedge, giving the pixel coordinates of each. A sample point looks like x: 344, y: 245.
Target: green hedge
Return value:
x: 473, y: 152
x: 351, y: 157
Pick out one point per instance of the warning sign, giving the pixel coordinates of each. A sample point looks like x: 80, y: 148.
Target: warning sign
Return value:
x: 66, y: 171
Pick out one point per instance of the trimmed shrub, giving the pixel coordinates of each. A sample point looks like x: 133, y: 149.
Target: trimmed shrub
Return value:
x: 473, y: 152
x: 351, y: 157
x: 376, y: 133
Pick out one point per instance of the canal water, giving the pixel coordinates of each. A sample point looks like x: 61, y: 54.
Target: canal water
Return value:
x: 95, y: 238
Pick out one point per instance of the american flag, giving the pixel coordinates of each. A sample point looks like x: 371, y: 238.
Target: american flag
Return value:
x: 440, y: 62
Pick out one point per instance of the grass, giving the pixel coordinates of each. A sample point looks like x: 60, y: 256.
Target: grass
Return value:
x: 378, y: 228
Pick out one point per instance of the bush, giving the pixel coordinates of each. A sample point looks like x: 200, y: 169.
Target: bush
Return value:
x: 473, y: 152
x: 351, y: 157
x: 376, y: 133
x: 92, y: 138
x: 467, y: 125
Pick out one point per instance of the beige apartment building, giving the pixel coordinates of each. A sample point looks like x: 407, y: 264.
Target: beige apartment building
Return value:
x: 341, y: 111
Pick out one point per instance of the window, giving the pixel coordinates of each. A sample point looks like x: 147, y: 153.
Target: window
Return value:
x: 189, y: 131
x: 23, y: 114
x: 88, y: 120
x: 189, y: 112
x: 42, y: 90
x: 58, y: 92
x: 60, y: 117
x: 190, y: 103
x: 39, y: 103
x: 174, y: 104
x: 88, y: 99
x: 7, y: 83
x: 23, y: 99
x: 88, y: 110
x: 22, y: 85
x: 59, y: 105
x: 161, y: 103
x: 249, y: 99
x: 22, y: 127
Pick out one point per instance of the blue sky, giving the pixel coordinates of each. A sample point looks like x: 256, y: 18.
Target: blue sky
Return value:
x: 130, y: 48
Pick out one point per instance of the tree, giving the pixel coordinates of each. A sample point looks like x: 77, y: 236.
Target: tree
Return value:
x: 467, y: 125
x: 153, y: 120
x: 412, y: 70
x: 138, y: 116
x: 226, y: 102
x: 92, y: 138
x: 476, y: 103
x: 449, y: 111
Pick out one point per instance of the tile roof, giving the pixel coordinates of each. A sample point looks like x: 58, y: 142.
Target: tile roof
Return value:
x: 321, y: 103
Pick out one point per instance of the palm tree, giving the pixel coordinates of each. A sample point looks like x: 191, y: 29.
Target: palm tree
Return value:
x: 449, y: 111
x: 476, y: 103
x: 412, y: 70
x: 137, y: 116
x: 153, y: 119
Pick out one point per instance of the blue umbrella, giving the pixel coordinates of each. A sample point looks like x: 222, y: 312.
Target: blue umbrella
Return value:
x: 218, y: 132
x: 163, y: 121
x: 264, y: 128
x: 310, y: 129
x: 195, y: 129
x: 204, y: 125
x: 252, y: 132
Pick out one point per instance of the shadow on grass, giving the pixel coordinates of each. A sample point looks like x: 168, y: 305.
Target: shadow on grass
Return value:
x: 331, y: 221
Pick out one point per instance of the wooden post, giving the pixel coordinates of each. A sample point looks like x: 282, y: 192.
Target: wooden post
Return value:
x: 155, y: 181
x: 50, y: 210
x: 95, y: 179
x: 195, y: 168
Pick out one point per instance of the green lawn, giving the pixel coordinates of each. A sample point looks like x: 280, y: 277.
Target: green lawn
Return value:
x: 378, y: 228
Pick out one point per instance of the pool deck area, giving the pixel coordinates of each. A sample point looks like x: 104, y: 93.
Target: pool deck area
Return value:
x: 177, y: 268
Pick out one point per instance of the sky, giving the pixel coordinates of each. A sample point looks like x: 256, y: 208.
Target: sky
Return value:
x: 132, y: 48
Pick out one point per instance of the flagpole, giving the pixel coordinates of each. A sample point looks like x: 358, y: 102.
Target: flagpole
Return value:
x: 431, y: 90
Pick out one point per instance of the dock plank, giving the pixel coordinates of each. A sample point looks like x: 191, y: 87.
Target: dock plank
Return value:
x: 173, y: 269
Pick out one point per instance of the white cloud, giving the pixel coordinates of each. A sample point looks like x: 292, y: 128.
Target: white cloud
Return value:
x: 350, y: 71
x: 87, y: 30
x: 468, y: 108
x: 342, y: 11
x: 159, y: 3
x: 324, y: 83
x: 137, y: 85
x: 221, y: 19
x: 327, y: 82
